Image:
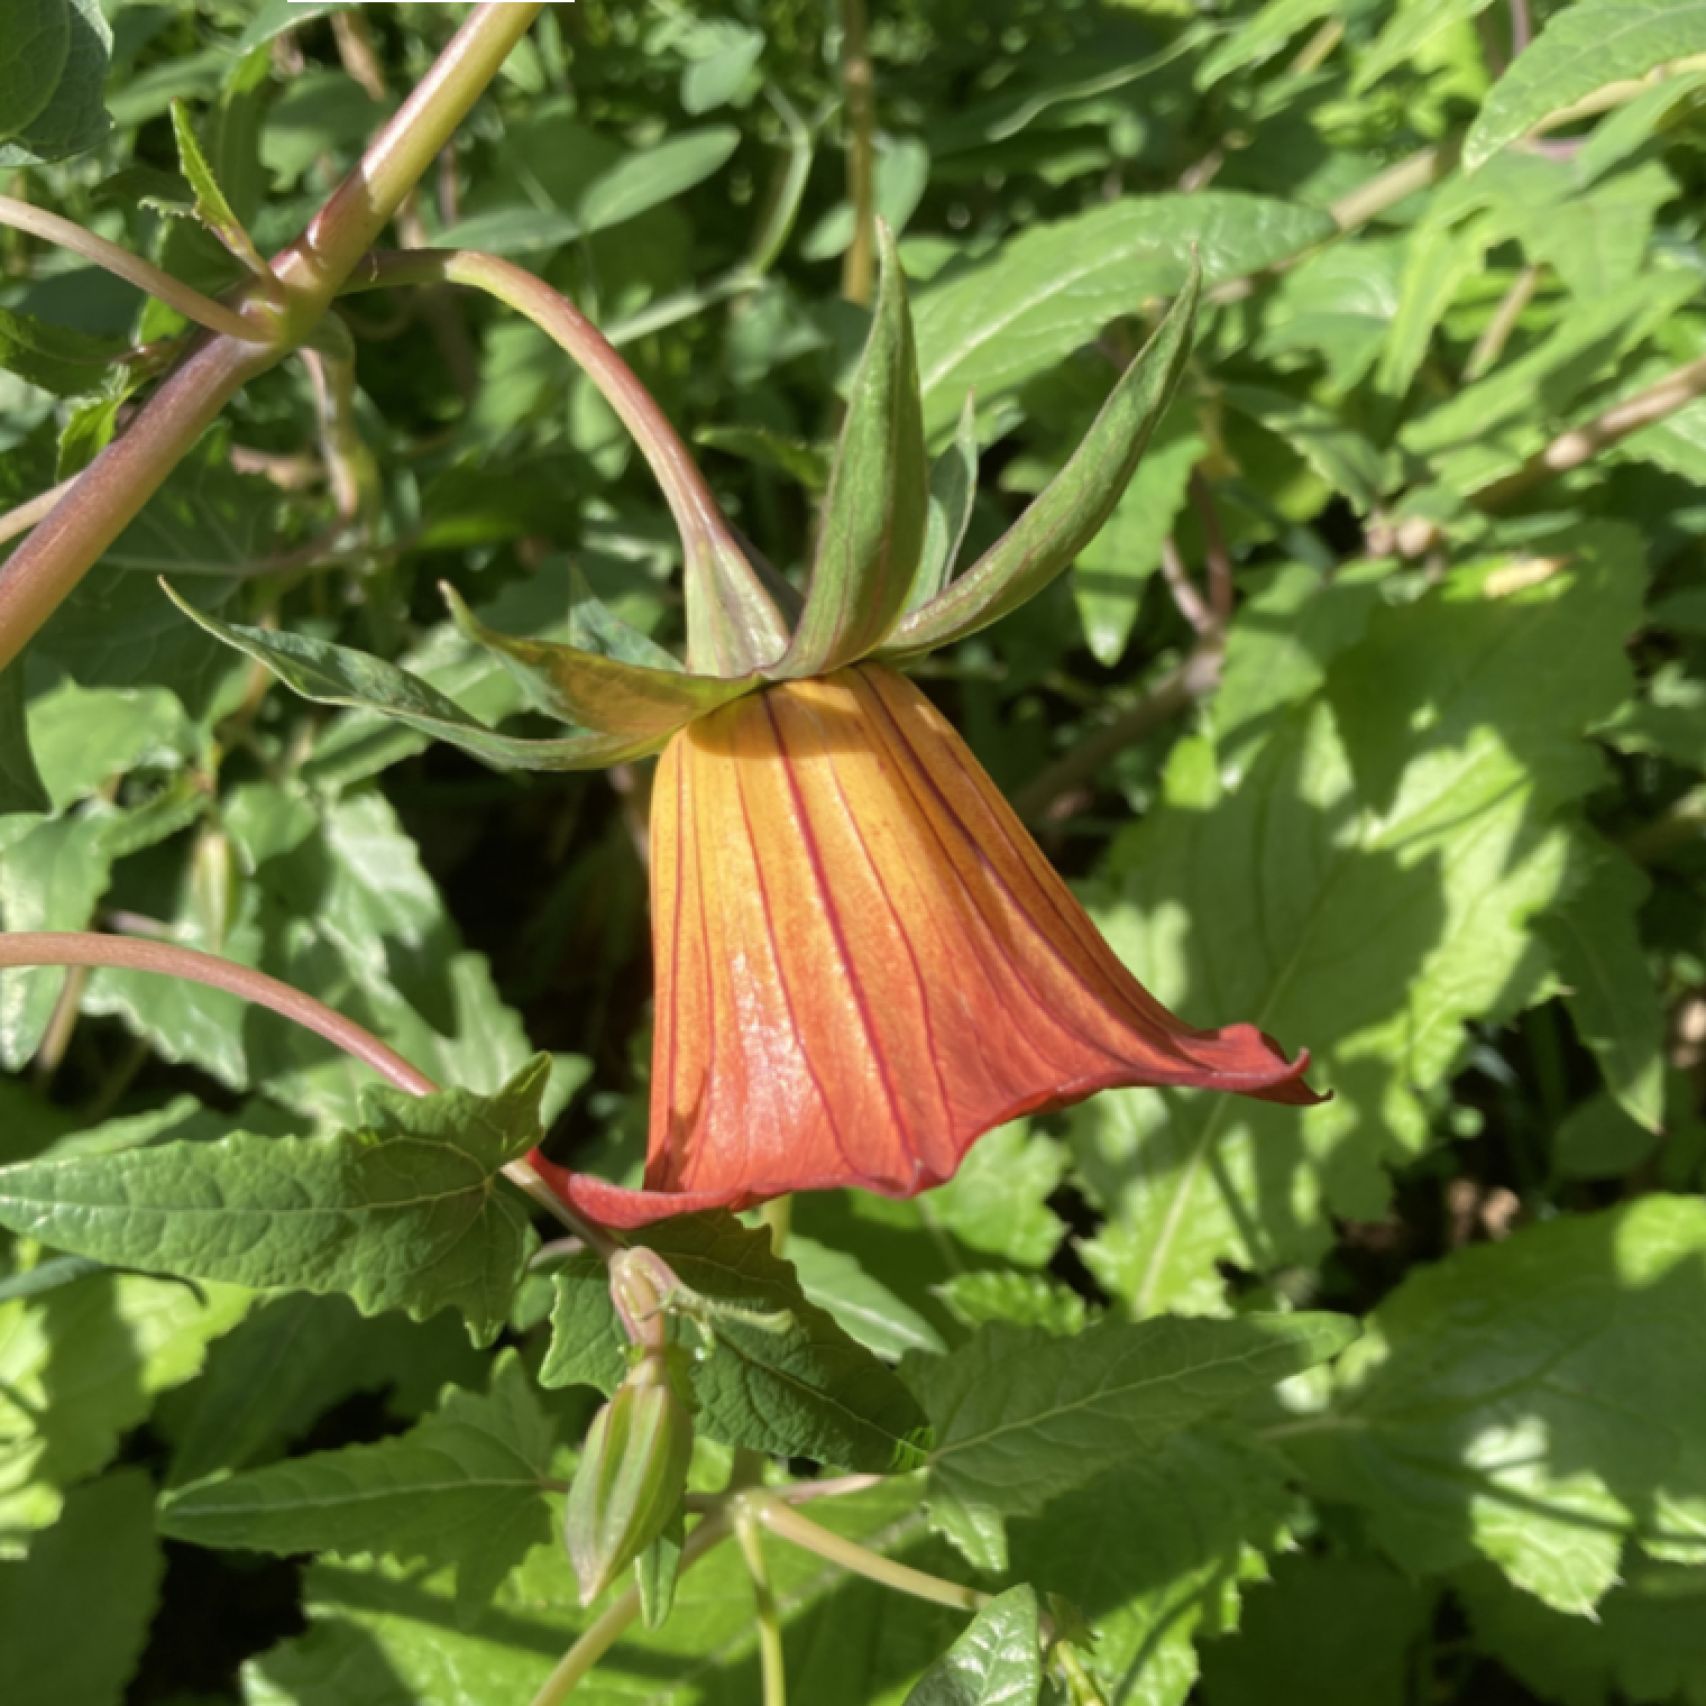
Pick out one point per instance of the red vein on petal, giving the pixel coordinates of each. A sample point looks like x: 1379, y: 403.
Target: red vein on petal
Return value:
x: 825, y: 1101
x: 926, y: 1021
x: 908, y: 760
x: 1117, y: 984
x: 832, y: 913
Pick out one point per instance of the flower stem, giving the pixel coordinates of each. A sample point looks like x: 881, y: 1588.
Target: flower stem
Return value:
x: 188, y: 301
x: 782, y: 1519
x: 858, y: 270
x: 25, y: 948
x: 27, y: 514
x: 771, y: 1660
x: 606, y: 1630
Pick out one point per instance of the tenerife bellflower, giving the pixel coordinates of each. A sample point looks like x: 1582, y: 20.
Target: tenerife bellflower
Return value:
x: 863, y: 960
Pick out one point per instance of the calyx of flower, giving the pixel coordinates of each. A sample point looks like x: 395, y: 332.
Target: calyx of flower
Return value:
x: 872, y: 591
x: 632, y: 1472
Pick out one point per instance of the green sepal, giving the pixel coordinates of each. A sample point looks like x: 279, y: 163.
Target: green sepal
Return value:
x: 872, y: 533
x: 330, y: 674
x: 632, y: 1473
x: 658, y: 1568
x: 1072, y: 508
x: 595, y: 691
x: 953, y: 495
x: 734, y: 622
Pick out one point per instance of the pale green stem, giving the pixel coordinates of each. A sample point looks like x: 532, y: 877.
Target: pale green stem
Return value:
x: 24, y: 948
x: 1496, y: 334
x: 782, y: 1519
x: 110, y: 493
x: 772, y: 1663
x: 134, y: 270
x: 606, y: 1630
x: 28, y: 513
x: 1580, y: 444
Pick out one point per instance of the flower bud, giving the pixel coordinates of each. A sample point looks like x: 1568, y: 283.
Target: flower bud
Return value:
x: 632, y: 1473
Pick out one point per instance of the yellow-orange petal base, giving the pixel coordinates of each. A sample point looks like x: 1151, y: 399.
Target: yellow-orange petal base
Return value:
x: 864, y: 963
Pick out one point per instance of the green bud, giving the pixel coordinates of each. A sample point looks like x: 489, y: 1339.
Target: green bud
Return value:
x: 632, y: 1473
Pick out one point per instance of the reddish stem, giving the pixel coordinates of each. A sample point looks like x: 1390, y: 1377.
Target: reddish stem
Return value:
x: 22, y: 948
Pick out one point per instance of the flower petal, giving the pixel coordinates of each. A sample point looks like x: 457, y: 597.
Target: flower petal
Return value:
x: 864, y: 962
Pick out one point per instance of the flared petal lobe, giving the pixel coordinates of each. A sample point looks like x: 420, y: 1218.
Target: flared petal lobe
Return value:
x: 864, y: 962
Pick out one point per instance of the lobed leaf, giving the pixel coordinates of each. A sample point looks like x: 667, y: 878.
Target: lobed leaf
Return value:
x: 405, y: 1213
x: 465, y: 1489
x: 1021, y: 1417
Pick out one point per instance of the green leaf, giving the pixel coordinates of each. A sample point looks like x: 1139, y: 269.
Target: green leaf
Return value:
x: 464, y: 1489
x: 1531, y: 1402
x: 59, y: 359
x: 1286, y: 632
x: 1609, y: 989
x: 38, y: 39
x: 1581, y: 50
x: 74, y: 1616
x: 21, y: 785
x: 592, y: 689
x: 1071, y: 509
x: 1642, y: 1644
x: 716, y: 77
x: 872, y: 529
x: 638, y: 180
x: 1113, y: 569
x: 952, y: 496
x: 72, y: 118
x: 1021, y: 1417
x: 1262, y: 35
x: 1342, y: 456
x: 782, y: 1377
x: 405, y: 1213
x: 1486, y: 429
x: 211, y: 207
x: 1026, y: 1300
x: 647, y: 177
x: 80, y: 1367
x: 1598, y: 1140
x: 329, y: 674
x: 802, y: 461
x: 997, y: 1203
x: 387, y: 1635
x: 1155, y: 1552
x: 1364, y: 888
x: 294, y: 1357
x: 50, y: 879
x: 997, y: 1662
x: 1336, y: 1630
x: 994, y: 323
x: 865, y: 1308
x: 1412, y: 25
x: 274, y: 18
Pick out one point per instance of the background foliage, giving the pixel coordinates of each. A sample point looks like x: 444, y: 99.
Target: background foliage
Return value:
x: 1368, y: 718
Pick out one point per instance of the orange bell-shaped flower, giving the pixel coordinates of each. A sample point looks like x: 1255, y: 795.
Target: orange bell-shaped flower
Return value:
x: 864, y: 962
